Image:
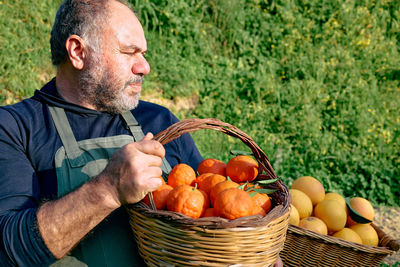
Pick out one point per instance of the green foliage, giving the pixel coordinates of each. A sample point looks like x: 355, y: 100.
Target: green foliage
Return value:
x: 24, y: 47
x: 314, y: 83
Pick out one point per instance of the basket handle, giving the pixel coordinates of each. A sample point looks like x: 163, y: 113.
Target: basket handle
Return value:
x: 385, y: 240
x: 174, y: 131
x: 191, y: 125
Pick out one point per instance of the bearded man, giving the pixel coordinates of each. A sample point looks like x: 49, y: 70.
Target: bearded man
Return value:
x: 75, y: 152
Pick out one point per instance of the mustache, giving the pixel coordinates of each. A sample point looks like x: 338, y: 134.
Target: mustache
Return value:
x: 136, y: 79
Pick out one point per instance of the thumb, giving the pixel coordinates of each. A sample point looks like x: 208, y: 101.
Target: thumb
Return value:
x: 148, y: 136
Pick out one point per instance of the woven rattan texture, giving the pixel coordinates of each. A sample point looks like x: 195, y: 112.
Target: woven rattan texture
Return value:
x: 306, y: 248
x: 171, y: 239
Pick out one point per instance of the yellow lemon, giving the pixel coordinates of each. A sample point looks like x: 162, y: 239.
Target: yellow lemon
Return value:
x: 311, y: 187
x: 302, y: 203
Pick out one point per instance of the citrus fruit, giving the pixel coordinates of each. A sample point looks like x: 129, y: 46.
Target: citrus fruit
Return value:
x: 336, y: 196
x: 294, y: 217
x: 206, y: 199
x: 209, y: 182
x: 181, y: 174
x: 314, y: 224
x: 362, y: 207
x: 311, y: 187
x: 159, y: 197
x: 201, y: 177
x: 332, y: 213
x: 212, y: 166
x: 187, y: 200
x: 209, y: 212
x: 367, y: 233
x: 348, y: 235
x: 242, y: 168
x: 302, y: 203
x: 218, y: 188
x: 263, y: 201
x: 233, y: 203
x: 258, y: 210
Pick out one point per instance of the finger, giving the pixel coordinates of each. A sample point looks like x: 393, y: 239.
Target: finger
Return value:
x: 151, y: 147
x: 148, y: 136
x: 153, y: 183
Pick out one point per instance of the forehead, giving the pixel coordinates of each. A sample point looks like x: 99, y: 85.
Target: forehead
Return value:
x: 124, y: 27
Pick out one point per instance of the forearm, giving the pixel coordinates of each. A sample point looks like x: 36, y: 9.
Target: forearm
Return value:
x: 64, y: 222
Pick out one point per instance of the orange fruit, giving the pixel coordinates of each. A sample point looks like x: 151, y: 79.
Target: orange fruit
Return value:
x: 362, y: 207
x: 200, y: 178
x: 209, y: 182
x: 233, y: 203
x: 332, y: 213
x: 206, y: 199
x: 258, y: 210
x: 263, y: 201
x: 294, y: 217
x: 348, y: 235
x: 187, y: 200
x: 242, y: 168
x: 367, y: 233
x: 302, y: 203
x: 159, y: 197
x: 209, y: 212
x: 314, y: 224
x: 219, y: 187
x: 311, y: 187
x: 181, y: 174
x: 336, y: 196
x: 212, y: 166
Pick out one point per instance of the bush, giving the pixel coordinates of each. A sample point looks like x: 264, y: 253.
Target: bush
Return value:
x: 314, y: 83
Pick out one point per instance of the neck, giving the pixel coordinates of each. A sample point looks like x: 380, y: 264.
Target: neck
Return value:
x: 68, y: 86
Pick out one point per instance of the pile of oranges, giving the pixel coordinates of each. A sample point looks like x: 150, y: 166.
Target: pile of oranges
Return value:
x: 330, y: 213
x: 215, y: 189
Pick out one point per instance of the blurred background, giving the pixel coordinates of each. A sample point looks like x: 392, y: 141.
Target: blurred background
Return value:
x: 316, y: 84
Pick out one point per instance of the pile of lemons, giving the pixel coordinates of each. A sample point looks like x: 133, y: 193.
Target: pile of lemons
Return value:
x: 330, y: 213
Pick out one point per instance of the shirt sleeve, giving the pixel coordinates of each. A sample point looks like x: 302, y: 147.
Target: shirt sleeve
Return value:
x: 186, y: 147
x: 21, y: 243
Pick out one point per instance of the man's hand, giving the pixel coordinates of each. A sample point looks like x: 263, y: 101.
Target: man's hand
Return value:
x: 132, y: 172
x: 135, y: 169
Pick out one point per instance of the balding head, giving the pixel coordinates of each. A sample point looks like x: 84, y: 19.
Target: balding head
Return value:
x: 85, y: 18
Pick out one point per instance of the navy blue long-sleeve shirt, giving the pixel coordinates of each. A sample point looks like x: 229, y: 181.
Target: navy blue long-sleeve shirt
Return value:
x: 28, y: 143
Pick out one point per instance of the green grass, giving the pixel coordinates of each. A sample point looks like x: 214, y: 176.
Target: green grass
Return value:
x: 314, y: 83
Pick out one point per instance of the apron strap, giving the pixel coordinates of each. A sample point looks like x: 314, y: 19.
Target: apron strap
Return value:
x: 67, y: 136
x: 133, y: 125
x: 138, y: 135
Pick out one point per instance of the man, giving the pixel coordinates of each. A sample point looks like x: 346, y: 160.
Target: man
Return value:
x: 75, y: 153
x: 68, y: 158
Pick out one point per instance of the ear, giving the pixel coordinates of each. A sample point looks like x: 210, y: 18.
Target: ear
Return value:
x: 76, y: 51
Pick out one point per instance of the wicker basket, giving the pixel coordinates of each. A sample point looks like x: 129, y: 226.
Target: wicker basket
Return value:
x: 171, y: 239
x: 306, y: 248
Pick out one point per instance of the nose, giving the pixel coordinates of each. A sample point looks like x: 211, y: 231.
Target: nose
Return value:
x: 141, y: 66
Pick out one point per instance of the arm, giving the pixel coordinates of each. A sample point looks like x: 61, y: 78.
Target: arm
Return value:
x: 22, y: 244
x: 130, y: 175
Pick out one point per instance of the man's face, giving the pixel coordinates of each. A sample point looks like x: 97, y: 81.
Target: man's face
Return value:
x: 112, y: 78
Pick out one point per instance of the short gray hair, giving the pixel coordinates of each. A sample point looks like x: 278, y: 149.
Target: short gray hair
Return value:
x: 85, y: 18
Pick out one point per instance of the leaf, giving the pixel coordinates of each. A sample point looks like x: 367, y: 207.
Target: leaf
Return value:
x: 264, y: 191
x: 269, y: 181
x: 241, y: 187
x: 354, y: 215
x: 240, y: 152
x: 252, y: 194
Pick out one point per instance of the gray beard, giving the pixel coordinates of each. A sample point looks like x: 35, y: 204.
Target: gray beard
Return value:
x: 104, y: 91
